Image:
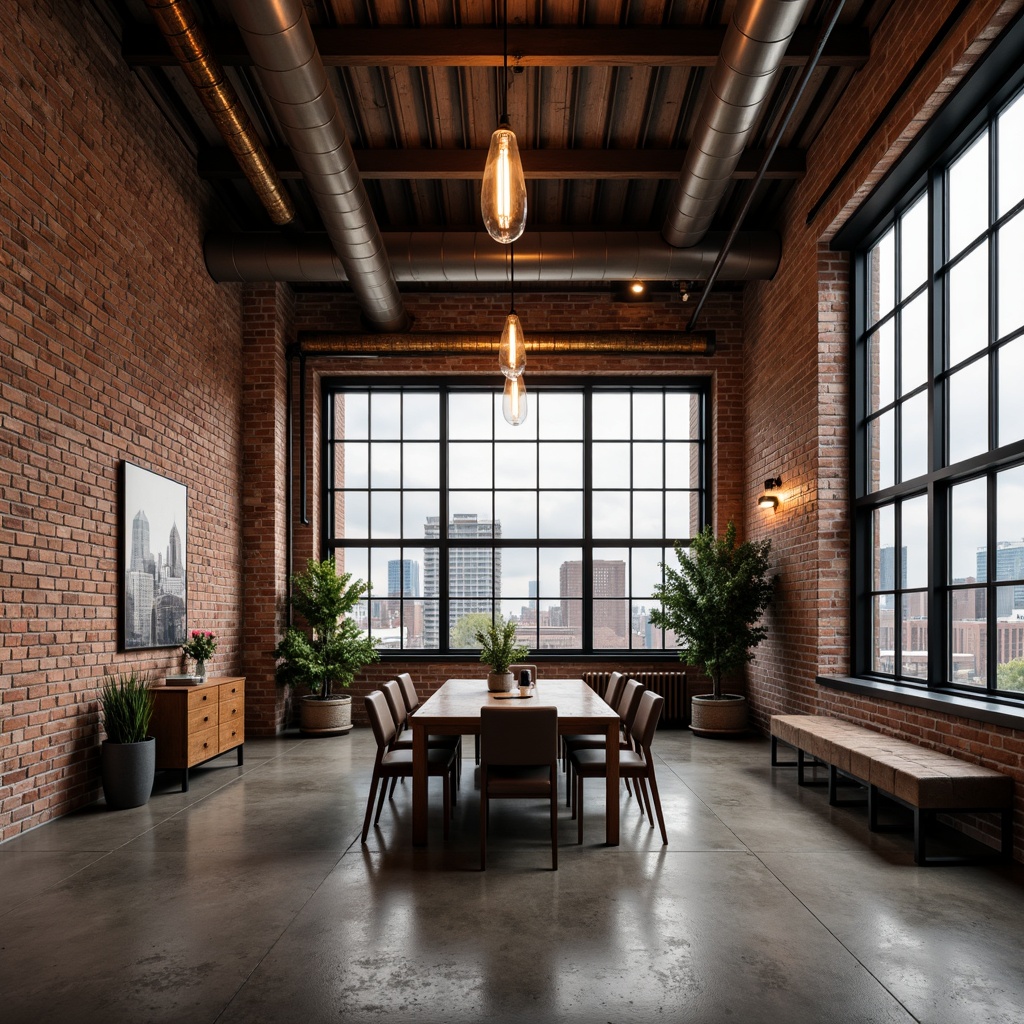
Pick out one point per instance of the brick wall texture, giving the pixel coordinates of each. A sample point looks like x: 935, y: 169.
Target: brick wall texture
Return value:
x: 115, y: 344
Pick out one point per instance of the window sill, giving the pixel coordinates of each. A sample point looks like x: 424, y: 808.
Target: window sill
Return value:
x: 1009, y: 714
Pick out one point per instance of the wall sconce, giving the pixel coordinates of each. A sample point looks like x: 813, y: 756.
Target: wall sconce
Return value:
x: 770, y: 500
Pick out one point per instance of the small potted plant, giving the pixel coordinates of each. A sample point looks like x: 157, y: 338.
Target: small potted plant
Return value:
x: 200, y: 646
x: 713, y: 603
x: 499, y: 649
x: 331, y: 652
x: 128, y: 754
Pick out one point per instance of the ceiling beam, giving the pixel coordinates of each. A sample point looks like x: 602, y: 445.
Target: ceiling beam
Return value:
x: 682, y: 46
x: 551, y: 164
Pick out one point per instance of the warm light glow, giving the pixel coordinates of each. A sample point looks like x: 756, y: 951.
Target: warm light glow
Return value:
x: 637, y: 287
x: 512, y: 347
x: 768, y: 501
x: 503, y: 195
x: 513, y: 401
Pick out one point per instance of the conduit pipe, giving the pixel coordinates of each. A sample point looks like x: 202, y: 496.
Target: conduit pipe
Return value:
x: 473, y: 258
x: 279, y: 39
x: 755, y: 43
x: 187, y: 41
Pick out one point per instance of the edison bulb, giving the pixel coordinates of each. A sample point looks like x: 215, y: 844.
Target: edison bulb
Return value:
x: 513, y: 401
x: 503, y: 196
x: 512, y: 347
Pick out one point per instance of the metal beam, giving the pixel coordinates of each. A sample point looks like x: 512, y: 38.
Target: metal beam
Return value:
x: 682, y: 46
x: 538, y: 164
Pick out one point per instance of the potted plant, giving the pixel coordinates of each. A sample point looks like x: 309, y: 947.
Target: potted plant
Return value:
x: 498, y: 648
x: 333, y: 650
x: 200, y: 646
x: 713, y: 603
x: 128, y: 754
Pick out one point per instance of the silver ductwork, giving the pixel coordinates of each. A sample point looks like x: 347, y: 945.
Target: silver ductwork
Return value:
x: 472, y: 257
x: 279, y: 39
x: 755, y: 43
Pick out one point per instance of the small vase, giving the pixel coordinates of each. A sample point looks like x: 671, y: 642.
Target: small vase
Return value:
x: 201, y: 668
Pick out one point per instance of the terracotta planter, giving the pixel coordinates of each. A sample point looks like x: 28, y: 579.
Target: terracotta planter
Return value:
x: 331, y: 717
x: 127, y: 771
x: 725, y: 717
x: 500, y: 682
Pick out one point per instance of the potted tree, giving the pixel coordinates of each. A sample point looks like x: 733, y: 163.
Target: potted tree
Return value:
x: 498, y: 648
x: 333, y: 650
x: 128, y: 754
x: 713, y: 603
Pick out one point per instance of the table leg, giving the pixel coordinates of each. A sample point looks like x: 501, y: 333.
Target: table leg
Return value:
x: 419, y: 785
x: 611, y: 798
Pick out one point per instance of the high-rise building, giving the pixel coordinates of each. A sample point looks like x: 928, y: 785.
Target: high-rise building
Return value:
x: 1009, y: 566
x: 610, y: 607
x: 474, y: 573
x: 403, y: 577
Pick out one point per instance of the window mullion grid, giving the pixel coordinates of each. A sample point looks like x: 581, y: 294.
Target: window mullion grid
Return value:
x: 991, y: 586
x: 587, y: 596
x: 940, y: 661
x: 444, y: 517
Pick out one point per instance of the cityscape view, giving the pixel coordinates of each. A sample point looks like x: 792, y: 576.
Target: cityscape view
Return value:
x: 154, y: 589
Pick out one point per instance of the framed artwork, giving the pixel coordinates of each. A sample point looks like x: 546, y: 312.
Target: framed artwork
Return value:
x: 154, y: 559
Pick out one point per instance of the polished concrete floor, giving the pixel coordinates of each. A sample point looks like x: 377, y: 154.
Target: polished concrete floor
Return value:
x: 250, y: 899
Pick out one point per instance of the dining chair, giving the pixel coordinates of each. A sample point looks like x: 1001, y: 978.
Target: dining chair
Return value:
x: 629, y: 701
x: 391, y: 764
x: 519, y: 759
x: 396, y: 705
x: 610, y: 694
x: 591, y: 763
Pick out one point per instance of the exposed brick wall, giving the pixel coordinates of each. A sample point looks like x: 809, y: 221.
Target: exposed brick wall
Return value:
x: 797, y: 367
x: 114, y: 344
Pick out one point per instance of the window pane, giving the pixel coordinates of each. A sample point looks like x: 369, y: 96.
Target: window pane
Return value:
x: 385, y: 465
x: 882, y: 366
x: 914, y: 436
x: 882, y: 277
x: 470, y: 415
x: 648, y: 519
x: 1011, y: 408
x: 518, y: 573
x: 559, y: 415
x: 420, y: 465
x: 914, y: 247
x: 471, y: 512
x: 1010, y: 643
x: 914, y: 344
x: 569, y: 629
x: 648, y: 421
x: 561, y: 465
x: 611, y: 465
x: 914, y: 626
x: 352, y: 468
x: 561, y: 573
x: 515, y: 465
x: 405, y: 577
x: 1010, y: 139
x: 464, y: 619
x: 1010, y: 534
x: 968, y: 306
x: 469, y: 465
x: 611, y: 513
x: 682, y: 465
x: 561, y: 514
x: 355, y: 411
x: 417, y: 507
x: 881, y: 442
x: 682, y: 515
x: 385, y: 514
x: 914, y: 514
x: 611, y: 624
x: 682, y: 416
x: 968, y: 637
x: 516, y: 511
x: 883, y: 634
x: 385, y: 415
x: 353, y: 560
x: 1011, y: 273
x: 645, y: 572
x: 647, y: 465
x: 421, y: 416
x: 503, y: 430
x: 471, y: 572
x: 611, y: 415
x: 356, y: 514
x: 968, y: 517
x: 968, y: 411
x: 414, y: 619
x: 883, y: 541
x: 968, y: 195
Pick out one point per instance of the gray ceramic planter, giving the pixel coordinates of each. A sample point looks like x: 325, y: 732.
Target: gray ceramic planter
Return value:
x: 128, y: 771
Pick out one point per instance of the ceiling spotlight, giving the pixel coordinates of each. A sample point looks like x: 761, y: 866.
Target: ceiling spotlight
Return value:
x: 637, y: 287
x: 684, y: 291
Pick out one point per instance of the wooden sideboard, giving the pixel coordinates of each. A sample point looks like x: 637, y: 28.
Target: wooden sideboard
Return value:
x: 194, y: 723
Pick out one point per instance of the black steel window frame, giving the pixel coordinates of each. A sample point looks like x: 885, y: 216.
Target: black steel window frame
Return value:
x: 941, y: 477
x: 699, y: 386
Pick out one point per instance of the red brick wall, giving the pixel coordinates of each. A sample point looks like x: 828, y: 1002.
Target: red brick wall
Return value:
x: 796, y: 368
x: 538, y: 311
x: 114, y: 344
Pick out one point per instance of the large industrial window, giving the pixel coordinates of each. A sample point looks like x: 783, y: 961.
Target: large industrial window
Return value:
x: 939, y: 508
x: 560, y: 523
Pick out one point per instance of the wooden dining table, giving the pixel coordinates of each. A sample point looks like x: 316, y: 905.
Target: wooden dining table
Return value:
x: 454, y: 710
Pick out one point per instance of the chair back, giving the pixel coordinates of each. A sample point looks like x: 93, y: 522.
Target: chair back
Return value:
x: 396, y: 703
x: 381, y: 722
x: 629, y: 701
x: 615, y: 684
x: 409, y: 694
x: 646, y: 721
x: 518, y: 736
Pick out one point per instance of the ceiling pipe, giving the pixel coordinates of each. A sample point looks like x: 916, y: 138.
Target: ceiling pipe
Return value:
x: 473, y: 258
x: 279, y: 39
x: 188, y: 43
x: 755, y: 43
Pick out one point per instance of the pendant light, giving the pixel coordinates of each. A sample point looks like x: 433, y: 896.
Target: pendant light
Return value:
x: 503, y: 195
x: 513, y: 401
x: 512, y: 355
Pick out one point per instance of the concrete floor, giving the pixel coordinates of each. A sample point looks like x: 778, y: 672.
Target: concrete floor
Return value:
x: 250, y: 899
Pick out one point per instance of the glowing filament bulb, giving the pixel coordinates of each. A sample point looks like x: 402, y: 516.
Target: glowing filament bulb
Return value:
x: 512, y: 347
x: 503, y: 196
x: 513, y: 401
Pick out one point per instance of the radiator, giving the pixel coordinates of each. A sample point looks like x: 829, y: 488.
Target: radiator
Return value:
x: 671, y: 685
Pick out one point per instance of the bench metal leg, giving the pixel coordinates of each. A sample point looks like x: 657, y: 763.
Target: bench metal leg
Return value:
x: 776, y: 763
x: 836, y: 778
x: 804, y: 761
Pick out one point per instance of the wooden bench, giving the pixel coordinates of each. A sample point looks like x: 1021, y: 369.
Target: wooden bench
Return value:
x: 927, y: 782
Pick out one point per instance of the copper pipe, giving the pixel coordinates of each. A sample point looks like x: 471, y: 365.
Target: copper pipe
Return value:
x: 188, y: 43
x: 561, y: 343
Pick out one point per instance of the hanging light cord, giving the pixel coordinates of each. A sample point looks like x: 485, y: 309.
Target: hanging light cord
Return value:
x: 504, y: 63
x: 512, y: 277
